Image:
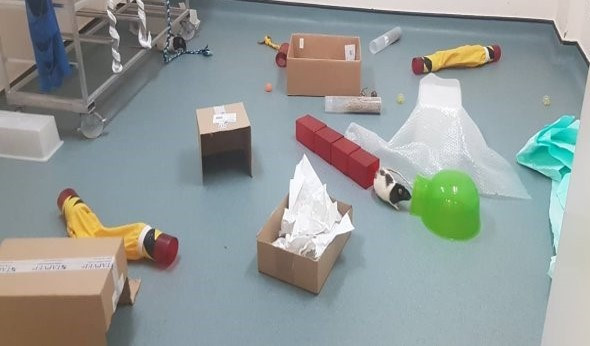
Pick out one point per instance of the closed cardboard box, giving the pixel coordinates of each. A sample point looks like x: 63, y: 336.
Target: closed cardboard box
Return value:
x: 301, y: 271
x: 61, y: 291
x: 324, y: 65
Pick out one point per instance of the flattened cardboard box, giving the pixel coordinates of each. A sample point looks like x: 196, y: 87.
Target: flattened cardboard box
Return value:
x: 295, y: 269
x: 215, y: 139
x: 317, y: 65
x: 61, y: 291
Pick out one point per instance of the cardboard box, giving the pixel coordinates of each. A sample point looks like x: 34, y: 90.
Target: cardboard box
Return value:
x: 61, y: 291
x: 295, y: 269
x: 235, y: 134
x: 317, y: 65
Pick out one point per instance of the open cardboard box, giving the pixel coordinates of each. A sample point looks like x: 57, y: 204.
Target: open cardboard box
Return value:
x: 214, y: 139
x: 61, y: 291
x: 290, y: 267
x: 317, y: 65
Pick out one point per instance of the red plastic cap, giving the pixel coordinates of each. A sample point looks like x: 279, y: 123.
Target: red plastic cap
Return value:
x: 418, y: 65
x: 281, y: 57
x: 165, y: 249
x: 65, y: 194
x: 497, y: 52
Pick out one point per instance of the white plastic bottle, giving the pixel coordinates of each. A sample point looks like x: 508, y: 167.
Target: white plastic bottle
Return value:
x: 385, y: 40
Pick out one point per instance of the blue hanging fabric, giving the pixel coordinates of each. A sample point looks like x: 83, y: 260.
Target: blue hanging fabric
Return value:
x: 50, y: 53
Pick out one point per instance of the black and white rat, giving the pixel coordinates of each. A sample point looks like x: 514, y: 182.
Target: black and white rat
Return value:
x: 389, y: 189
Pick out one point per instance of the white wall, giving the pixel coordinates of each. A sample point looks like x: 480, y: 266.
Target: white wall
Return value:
x: 573, y: 22
x: 572, y: 17
x: 538, y: 9
x: 568, y: 311
x: 14, y: 37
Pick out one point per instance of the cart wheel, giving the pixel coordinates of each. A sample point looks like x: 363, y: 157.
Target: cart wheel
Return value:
x: 187, y: 30
x: 92, y: 125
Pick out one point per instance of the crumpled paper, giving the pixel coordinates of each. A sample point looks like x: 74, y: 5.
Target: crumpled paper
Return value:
x: 551, y: 152
x: 312, y: 220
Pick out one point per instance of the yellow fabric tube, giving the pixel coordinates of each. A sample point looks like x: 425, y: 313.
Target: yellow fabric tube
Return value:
x: 82, y: 222
x: 464, y: 56
x: 140, y: 240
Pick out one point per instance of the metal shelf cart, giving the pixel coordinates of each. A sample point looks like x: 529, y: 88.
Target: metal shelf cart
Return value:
x: 92, y: 123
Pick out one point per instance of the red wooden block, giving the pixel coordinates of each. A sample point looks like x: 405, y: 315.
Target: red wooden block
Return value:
x: 305, y: 129
x: 362, y: 167
x: 323, y: 142
x: 341, y: 150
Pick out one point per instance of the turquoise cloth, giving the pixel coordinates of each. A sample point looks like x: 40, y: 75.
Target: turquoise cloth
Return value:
x: 551, y: 152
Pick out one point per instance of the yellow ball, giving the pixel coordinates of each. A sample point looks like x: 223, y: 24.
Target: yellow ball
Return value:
x: 400, y: 98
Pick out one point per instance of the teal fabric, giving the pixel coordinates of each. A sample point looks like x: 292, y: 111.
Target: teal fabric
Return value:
x: 551, y: 152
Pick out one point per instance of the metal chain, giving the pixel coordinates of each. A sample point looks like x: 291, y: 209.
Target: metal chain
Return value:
x: 168, y: 57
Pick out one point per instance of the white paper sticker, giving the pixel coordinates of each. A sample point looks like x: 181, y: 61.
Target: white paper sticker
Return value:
x: 350, y: 52
x: 223, y: 119
x: 219, y: 109
x: 301, y: 41
x: 218, y: 118
x: 56, y: 265
x: 230, y: 117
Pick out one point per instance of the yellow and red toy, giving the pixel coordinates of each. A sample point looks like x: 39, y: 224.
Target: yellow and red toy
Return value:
x: 464, y: 56
x: 281, y: 57
x: 141, y: 240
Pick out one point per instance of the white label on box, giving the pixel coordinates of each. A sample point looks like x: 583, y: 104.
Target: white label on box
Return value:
x: 301, y: 41
x: 218, y: 118
x: 223, y: 119
x: 56, y: 265
x: 230, y: 117
x: 219, y: 110
x: 350, y: 52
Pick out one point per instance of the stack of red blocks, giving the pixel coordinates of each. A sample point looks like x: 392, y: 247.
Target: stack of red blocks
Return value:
x: 343, y: 154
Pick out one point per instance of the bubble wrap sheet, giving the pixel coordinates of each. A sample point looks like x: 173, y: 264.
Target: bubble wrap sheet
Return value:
x: 439, y: 134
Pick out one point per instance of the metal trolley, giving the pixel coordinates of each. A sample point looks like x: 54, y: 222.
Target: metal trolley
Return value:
x: 91, y: 122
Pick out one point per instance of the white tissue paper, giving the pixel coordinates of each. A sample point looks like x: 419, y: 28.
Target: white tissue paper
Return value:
x: 311, y: 221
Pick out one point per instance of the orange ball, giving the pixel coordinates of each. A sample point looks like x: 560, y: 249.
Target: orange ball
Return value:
x: 268, y: 87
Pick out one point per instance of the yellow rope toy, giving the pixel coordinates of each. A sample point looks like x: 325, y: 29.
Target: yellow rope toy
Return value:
x: 267, y: 41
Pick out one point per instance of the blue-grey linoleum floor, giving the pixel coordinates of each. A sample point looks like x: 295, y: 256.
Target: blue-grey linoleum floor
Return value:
x: 395, y: 283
